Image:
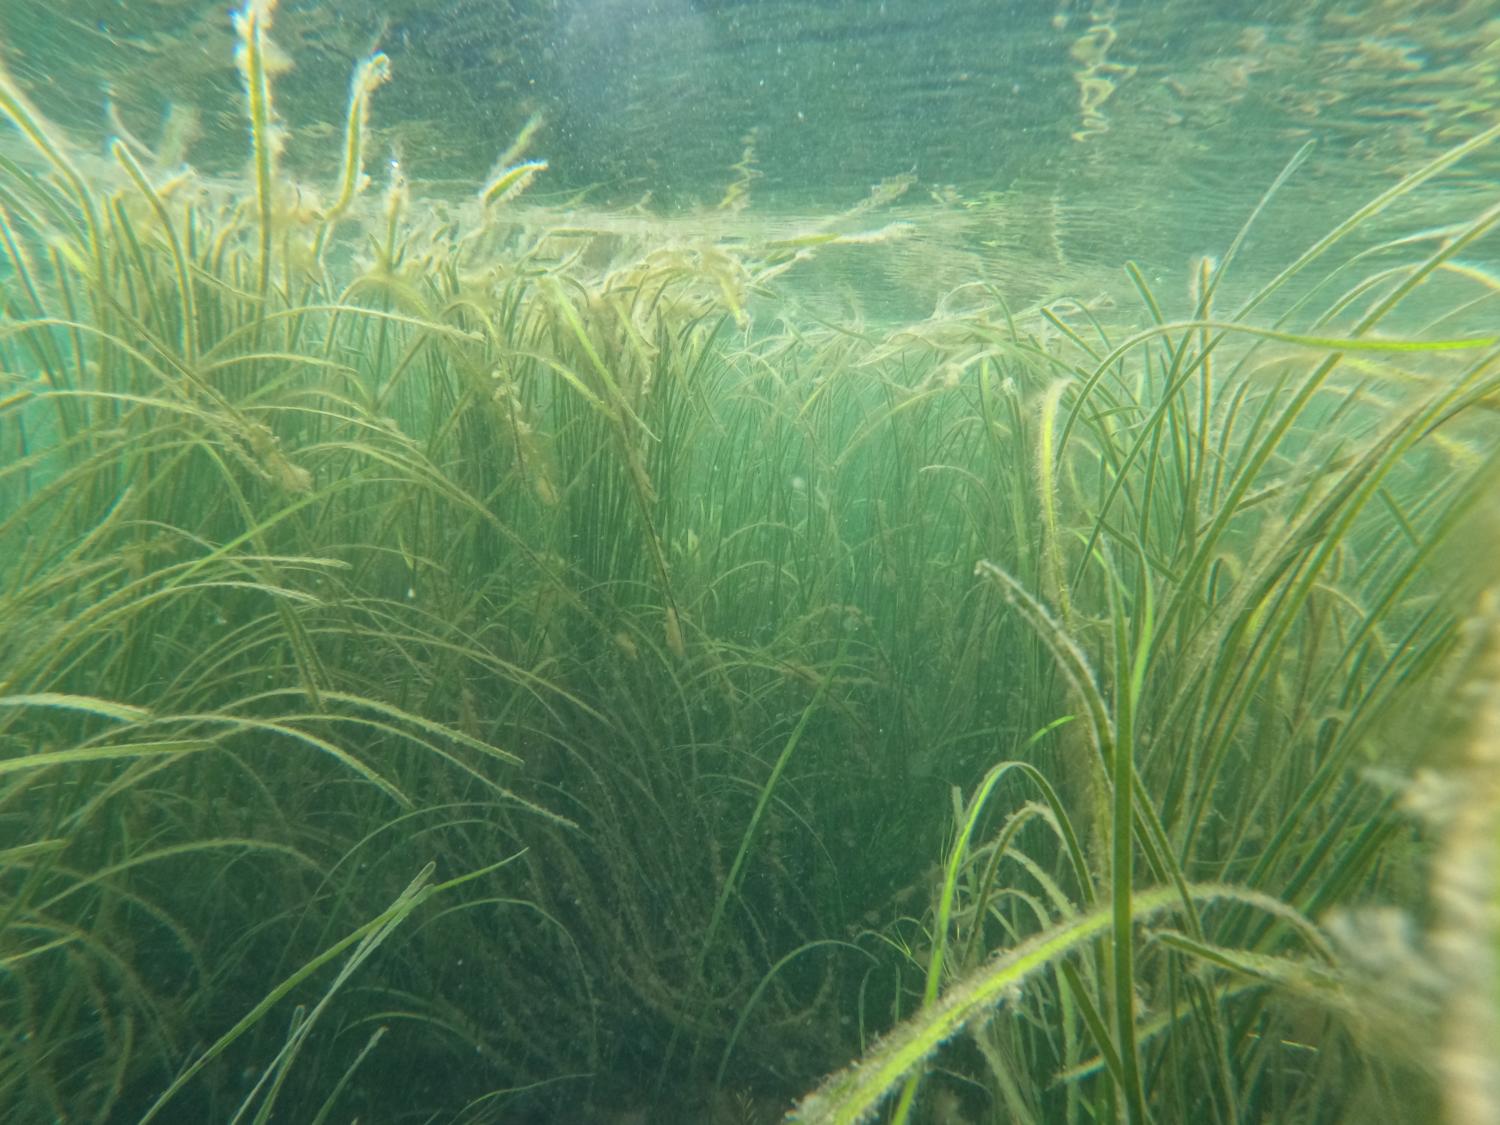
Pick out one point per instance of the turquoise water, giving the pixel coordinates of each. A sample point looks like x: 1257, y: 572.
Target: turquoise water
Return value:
x: 1119, y: 130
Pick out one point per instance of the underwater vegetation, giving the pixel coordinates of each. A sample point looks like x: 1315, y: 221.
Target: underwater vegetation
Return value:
x: 460, y: 667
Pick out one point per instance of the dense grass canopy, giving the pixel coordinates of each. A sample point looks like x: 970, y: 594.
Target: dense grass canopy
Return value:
x: 460, y: 665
